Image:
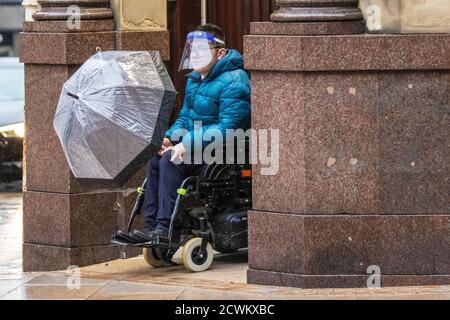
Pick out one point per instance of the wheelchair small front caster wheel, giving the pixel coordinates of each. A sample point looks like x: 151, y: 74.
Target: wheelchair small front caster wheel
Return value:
x: 154, y: 257
x: 193, y: 260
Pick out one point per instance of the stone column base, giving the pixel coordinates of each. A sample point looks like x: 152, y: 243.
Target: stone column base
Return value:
x: 271, y: 278
x: 40, y: 258
x: 307, y: 28
x: 331, y: 251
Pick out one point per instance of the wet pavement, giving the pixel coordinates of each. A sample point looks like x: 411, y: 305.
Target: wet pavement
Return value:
x: 134, y: 279
x: 10, y: 233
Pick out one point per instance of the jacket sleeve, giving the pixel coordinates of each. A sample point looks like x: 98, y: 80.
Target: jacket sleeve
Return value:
x: 182, y: 121
x: 234, y: 112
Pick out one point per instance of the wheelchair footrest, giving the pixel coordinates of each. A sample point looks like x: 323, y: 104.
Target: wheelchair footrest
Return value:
x: 159, y: 242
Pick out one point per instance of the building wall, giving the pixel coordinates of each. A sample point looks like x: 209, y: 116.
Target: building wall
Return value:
x: 140, y: 15
x: 407, y: 16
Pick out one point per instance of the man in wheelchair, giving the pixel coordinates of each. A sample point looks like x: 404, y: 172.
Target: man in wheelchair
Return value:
x: 218, y: 96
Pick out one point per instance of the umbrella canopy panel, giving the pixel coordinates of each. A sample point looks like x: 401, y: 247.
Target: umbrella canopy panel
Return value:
x: 113, y: 112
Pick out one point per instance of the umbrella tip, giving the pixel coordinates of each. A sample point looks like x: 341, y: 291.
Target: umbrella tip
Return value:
x: 98, y: 49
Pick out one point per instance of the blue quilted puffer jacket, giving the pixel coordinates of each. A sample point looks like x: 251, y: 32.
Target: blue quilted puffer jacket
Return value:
x: 221, y: 101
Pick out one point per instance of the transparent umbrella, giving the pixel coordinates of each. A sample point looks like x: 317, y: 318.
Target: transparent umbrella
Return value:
x: 113, y: 112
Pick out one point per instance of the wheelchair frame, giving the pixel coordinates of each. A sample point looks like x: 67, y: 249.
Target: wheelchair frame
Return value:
x: 211, y: 191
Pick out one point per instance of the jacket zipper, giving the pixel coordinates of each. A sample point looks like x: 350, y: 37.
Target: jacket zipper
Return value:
x: 195, y: 93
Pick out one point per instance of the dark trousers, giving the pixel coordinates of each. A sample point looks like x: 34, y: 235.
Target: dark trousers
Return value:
x: 164, y: 178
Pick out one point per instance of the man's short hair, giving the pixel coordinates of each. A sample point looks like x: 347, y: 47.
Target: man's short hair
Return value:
x: 216, y: 31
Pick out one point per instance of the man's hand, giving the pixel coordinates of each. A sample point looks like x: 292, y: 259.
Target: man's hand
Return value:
x: 166, y: 144
x: 177, y: 153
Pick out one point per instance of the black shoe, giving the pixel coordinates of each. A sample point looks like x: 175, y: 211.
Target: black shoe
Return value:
x: 130, y: 238
x: 142, y: 235
x: 161, y: 232
x: 122, y: 238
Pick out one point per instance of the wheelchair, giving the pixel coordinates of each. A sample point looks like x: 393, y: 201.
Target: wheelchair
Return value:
x: 211, y: 212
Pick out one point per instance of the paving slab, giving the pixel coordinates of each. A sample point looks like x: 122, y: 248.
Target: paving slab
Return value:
x: 51, y: 292
x: 58, y: 280
x: 227, y: 269
x: 210, y: 294
x: 121, y: 290
x: 7, y: 286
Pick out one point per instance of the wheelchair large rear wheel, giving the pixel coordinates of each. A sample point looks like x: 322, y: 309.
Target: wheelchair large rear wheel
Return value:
x: 193, y: 260
x: 154, y: 257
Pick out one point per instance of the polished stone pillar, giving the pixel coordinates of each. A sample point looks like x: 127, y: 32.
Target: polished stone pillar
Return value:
x: 363, y: 181
x: 69, y: 221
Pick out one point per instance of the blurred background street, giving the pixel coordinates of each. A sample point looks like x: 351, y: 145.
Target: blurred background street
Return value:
x: 11, y: 138
x: 11, y: 97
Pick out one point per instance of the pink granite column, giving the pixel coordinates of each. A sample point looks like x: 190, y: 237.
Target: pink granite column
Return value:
x: 364, y: 172
x: 68, y: 221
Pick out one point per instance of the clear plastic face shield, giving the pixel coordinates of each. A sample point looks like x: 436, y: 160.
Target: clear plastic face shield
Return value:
x: 199, y: 50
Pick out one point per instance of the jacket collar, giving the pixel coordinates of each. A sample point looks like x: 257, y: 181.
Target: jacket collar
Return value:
x: 231, y: 61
